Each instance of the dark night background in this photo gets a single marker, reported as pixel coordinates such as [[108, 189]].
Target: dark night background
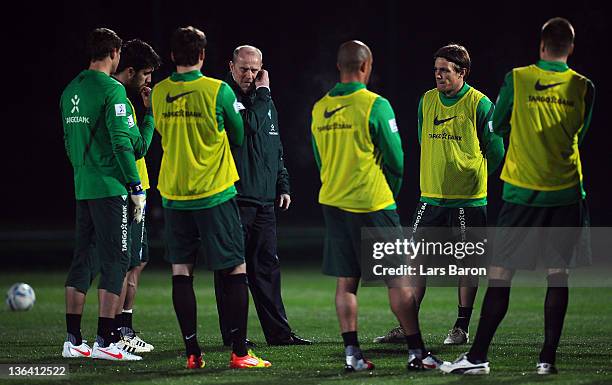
[[43, 49]]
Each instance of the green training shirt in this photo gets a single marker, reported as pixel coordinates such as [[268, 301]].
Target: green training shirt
[[229, 120], [501, 126], [385, 138], [97, 135], [491, 145]]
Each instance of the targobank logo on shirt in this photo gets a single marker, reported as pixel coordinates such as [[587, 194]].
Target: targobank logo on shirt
[[75, 100], [393, 125], [120, 109], [130, 120], [75, 104]]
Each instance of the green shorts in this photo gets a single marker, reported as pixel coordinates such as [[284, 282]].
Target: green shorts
[[342, 250], [217, 230], [529, 237], [101, 244], [139, 244]]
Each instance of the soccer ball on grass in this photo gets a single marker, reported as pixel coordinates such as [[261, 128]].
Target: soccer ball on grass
[[20, 297]]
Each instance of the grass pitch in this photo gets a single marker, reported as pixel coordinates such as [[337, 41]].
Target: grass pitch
[[36, 336]]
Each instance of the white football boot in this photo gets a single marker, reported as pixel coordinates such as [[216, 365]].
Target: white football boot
[[76, 351], [457, 336], [131, 343], [112, 352]]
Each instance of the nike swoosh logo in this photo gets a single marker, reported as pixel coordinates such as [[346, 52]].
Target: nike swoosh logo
[[541, 87], [85, 353], [190, 337], [117, 356], [170, 99], [329, 114], [438, 122]]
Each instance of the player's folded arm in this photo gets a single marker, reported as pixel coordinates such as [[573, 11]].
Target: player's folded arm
[[387, 140], [232, 121], [492, 144], [503, 107], [254, 114], [116, 121]]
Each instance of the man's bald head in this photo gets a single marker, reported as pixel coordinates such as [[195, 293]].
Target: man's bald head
[[352, 55], [247, 50]]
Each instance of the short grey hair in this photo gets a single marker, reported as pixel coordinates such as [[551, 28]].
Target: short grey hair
[[248, 48]]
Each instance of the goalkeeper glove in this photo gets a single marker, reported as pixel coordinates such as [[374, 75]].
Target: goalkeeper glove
[[139, 199]]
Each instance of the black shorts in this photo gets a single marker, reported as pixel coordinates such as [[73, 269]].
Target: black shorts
[[441, 225], [217, 230], [529, 237], [101, 244], [428, 215]]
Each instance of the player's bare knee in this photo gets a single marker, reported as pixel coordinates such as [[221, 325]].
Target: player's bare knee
[[347, 285], [239, 269], [498, 273], [557, 277], [182, 269]]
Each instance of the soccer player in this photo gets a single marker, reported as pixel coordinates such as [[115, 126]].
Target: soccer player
[[263, 180], [98, 142], [197, 118], [138, 61], [458, 152], [545, 109], [358, 150]]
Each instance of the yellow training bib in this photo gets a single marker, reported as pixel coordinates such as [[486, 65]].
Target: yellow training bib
[[547, 115], [351, 170], [197, 161], [452, 163]]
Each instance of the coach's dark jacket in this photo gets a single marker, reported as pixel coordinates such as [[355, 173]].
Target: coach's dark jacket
[[263, 176]]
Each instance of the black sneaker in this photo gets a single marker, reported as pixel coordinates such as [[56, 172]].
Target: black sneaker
[[428, 362], [293, 339], [546, 368]]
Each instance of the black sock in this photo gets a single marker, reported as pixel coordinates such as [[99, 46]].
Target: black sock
[[117, 329], [184, 301], [494, 307], [119, 320], [350, 339], [236, 295], [464, 314], [127, 319], [415, 342], [73, 328], [105, 331], [555, 307]]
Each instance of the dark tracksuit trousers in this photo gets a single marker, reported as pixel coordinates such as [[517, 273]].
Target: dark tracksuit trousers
[[263, 271]]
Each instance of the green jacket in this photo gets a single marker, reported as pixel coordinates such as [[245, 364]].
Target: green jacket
[[263, 176], [97, 135]]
